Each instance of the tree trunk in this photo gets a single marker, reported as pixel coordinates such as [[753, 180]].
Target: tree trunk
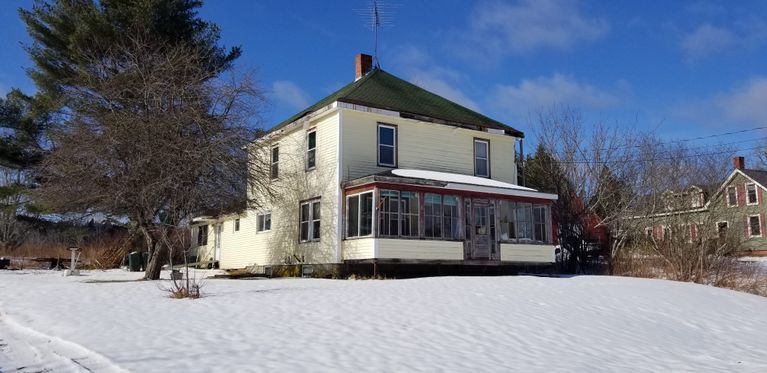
[[154, 264], [155, 251]]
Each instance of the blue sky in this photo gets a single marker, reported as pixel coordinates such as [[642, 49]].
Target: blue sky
[[685, 69]]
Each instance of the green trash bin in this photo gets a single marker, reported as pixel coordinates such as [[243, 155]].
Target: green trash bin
[[135, 261]]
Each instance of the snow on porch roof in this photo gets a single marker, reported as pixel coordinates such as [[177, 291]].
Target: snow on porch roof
[[460, 182]]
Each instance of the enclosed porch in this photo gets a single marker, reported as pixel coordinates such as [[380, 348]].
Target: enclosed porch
[[426, 216]]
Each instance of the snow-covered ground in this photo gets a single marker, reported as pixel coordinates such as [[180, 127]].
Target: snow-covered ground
[[501, 324]]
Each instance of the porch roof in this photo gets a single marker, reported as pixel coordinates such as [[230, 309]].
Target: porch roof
[[449, 181]]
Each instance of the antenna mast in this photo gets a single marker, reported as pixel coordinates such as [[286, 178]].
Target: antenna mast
[[378, 14]]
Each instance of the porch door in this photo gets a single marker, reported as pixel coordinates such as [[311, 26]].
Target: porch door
[[217, 244], [482, 229]]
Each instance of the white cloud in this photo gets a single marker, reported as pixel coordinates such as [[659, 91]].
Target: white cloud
[[498, 28], [531, 95], [708, 39], [746, 103], [290, 94]]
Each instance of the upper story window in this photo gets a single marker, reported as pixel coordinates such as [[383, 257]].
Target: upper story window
[[359, 216], [309, 229], [732, 196], [751, 196], [275, 162], [264, 222], [311, 150], [481, 158], [237, 225], [387, 145]]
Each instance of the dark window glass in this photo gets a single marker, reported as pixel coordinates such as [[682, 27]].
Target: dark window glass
[[275, 170], [311, 150], [352, 221], [387, 146], [756, 229], [366, 214]]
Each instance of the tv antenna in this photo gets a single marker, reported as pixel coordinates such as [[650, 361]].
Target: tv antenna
[[376, 15]]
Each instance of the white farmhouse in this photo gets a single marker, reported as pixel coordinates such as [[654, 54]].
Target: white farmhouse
[[385, 173]]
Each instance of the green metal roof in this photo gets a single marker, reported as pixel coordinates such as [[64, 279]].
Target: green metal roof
[[381, 90]]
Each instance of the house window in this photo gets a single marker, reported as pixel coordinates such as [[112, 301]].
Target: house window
[[450, 227], [433, 215], [666, 233], [275, 162], [311, 150], [398, 214], [309, 229], [359, 215], [387, 145], [539, 223], [648, 233], [754, 226], [237, 225], [524, 215], [508, 221], [264, 222], [481, 158], [732, 196], [751, 197], [202, 235], [721, 228]]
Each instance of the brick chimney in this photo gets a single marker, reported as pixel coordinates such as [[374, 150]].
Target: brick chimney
[[364, 63], [739, 163]]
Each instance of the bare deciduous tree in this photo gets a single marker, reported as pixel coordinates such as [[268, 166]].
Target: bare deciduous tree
[[156, 136]]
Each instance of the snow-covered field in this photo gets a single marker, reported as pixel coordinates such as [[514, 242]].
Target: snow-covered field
[[526, 324]]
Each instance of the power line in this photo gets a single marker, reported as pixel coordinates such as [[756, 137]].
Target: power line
[[654, 159]]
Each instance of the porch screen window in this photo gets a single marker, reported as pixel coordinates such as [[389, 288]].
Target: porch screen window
[[482, 158], [754, 226], [387, 145], [264, 222], [311, 150], [524, 216], [751, 198], [202, 235], [409, 214], [398, 215], [433, 215], [539, 223], [275, 162], [450, 217], [732, 197], [508, 220], [310, 221], [359, 218]]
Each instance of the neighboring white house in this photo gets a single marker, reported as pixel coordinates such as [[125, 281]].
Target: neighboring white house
[[383, 171]]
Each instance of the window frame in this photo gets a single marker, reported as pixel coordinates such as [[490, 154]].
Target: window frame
[[649, 233], [756, 194], [718, 228], [313, 151], [729, 204], [274, 166], [395, 146], [359, 215], [750, 232], [261, 218], [399, 214], [310, 234], [487, 159], [236, 225]]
